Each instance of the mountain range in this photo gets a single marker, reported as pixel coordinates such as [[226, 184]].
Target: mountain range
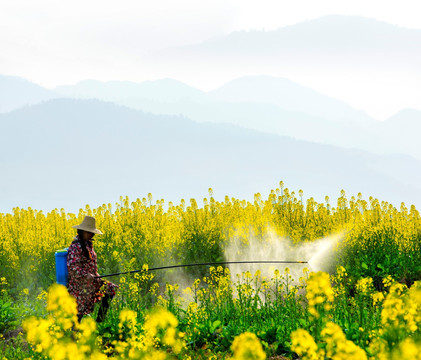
[[365, 62], [68, 153], [267, 104], [343, 36], [98, 140]]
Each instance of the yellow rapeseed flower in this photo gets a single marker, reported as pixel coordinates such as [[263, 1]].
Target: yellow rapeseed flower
[[318, 292], [338, 347], [247, 347], [365, 286], [304, 345]]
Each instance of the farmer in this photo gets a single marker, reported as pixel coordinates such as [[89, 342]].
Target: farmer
[[82, 269]]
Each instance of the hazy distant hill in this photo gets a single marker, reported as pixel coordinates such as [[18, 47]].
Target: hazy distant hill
[[57, 153], [290, 96], [363, 61], [402, 132], [263, 103], [257, 116], [404, 119], [283, 93], [17, 92], [329, 37], [167, 90], [274, 105]]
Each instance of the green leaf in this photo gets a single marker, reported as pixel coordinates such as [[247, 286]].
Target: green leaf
[[364, 265], [303, 322], [215, 325]]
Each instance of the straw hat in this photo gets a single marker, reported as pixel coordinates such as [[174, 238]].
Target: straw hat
[[88, 224]]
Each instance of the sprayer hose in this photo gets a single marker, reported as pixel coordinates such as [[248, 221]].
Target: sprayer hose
[[208, 263]]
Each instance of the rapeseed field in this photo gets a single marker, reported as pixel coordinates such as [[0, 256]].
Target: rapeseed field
[[366, 304]]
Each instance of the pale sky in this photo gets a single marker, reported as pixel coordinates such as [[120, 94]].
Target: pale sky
[[54, 42]]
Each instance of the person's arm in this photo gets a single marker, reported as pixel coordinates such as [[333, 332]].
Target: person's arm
[[95, 261], [75, 262]]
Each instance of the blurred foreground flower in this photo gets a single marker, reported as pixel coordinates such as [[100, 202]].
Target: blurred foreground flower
[[247, 347]]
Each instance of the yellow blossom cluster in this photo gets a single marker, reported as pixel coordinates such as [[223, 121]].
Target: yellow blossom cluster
[[336, 345], [3, 285], [52, 336], [247, 347], [319, 293], [402, 308], [364, 286], [61, 337], [400, 318], [305, 346]]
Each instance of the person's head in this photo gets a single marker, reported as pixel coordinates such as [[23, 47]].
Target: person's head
[[87, 229], [85, 235]]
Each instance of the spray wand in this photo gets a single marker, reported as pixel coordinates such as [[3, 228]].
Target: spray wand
[[204, 264]]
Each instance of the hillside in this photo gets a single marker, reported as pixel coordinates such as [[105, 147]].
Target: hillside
[[59, 152], [17, 92], [328, 36]]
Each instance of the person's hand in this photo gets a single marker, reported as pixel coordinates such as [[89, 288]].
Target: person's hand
[[90, 276]]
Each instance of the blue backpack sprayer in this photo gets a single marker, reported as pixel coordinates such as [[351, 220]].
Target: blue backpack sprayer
[[61, 267], [62, 274]]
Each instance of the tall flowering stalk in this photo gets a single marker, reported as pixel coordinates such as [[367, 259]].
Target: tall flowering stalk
[[319, 294]]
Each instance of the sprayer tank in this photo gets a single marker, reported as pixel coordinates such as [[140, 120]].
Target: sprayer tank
[[61, 267]]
